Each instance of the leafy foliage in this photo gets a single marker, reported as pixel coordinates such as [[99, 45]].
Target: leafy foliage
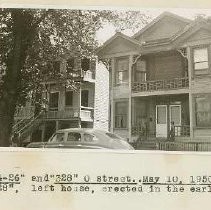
[[31, 39]]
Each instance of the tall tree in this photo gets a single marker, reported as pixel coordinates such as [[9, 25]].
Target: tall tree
[[31, 38]]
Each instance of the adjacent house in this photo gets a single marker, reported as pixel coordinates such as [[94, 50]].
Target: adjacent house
[[160, 80], [66, 106]]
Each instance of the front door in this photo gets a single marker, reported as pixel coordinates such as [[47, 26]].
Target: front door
[[175, 118], [161, 121]]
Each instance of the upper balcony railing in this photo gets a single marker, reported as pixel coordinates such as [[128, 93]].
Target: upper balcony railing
[[157, 85], [68, 112], [86, 114]]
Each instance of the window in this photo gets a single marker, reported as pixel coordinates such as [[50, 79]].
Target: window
[[56, 67], [70, 65], [90, 138], [85, 98], [121, 110], [54, 100], [203, 111], [122, 67], [74, 136], [58, 137], [140, 71], [69, 98], [85, 64], [200, 60]]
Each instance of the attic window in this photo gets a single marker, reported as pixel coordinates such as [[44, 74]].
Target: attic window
[[200, 56]]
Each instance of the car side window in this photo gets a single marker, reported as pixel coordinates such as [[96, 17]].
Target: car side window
[[90, 138], [58, 137], [74, 136]]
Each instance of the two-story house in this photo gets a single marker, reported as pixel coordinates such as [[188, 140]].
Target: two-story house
[[67, 105], [160, 80]]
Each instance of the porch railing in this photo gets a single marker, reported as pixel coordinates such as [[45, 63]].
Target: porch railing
[[182, 130], [62, 114], [156, 85], [184, 146]]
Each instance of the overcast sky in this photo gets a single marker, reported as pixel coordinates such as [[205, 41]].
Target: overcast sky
[[108, 30]]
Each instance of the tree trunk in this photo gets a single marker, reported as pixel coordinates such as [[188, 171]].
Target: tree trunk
[[15, 62]]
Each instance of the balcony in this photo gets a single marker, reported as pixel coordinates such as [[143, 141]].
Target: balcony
[[157, 85], [86, 114], [63, 114]]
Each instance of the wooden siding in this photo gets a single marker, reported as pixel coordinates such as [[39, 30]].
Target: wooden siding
[[121, 91], [165, 28], [201, 84], [119, 45], [202, 134]]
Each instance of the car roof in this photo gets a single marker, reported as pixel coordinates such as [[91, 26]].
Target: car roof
[[81, 130]]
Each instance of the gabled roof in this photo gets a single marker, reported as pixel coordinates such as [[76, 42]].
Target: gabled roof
[[157, 19], [118, 34]]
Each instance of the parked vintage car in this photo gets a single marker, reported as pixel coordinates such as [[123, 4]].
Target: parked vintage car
[[81, 138]]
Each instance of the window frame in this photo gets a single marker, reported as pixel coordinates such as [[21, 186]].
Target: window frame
[[84, 64], [67, 105], [87, 98], [117, 71], [140, 71], [201, 71], [121, 115], [70, 70], [207, 97], [54, 108]]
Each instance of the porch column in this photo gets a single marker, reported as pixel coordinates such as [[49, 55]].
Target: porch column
[[111, 95], [190, 91], [130, 97], [57, 125]]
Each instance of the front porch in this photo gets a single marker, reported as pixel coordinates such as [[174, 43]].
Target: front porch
[[160, 118]]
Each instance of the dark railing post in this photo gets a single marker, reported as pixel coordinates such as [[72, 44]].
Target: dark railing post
[[197, 146]]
